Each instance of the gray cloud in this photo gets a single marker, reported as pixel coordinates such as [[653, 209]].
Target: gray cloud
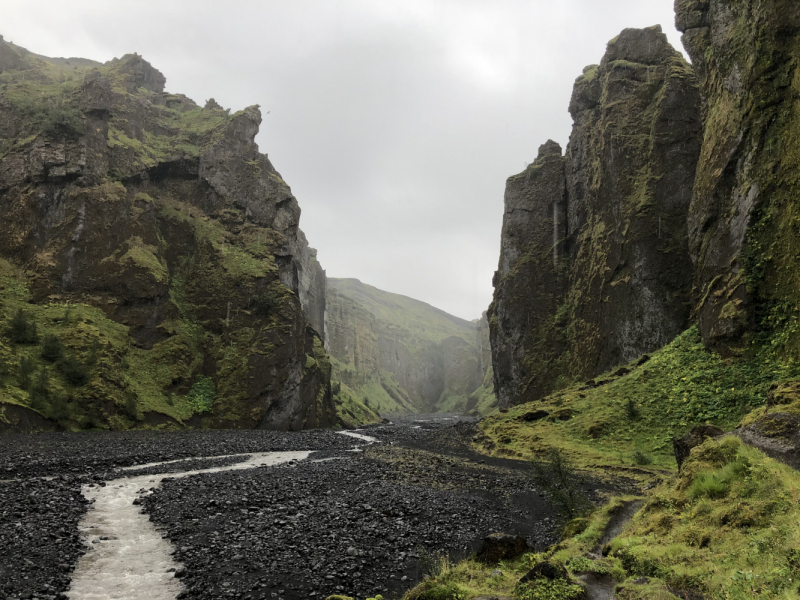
[[395, 121]]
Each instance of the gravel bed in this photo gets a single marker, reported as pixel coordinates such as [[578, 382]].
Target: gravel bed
[[314, 529], [32, 455], [341, 521], [39, 539]]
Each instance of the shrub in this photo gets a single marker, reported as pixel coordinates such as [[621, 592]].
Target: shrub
[[265, 303], [558, 479], [75, 372], [631, 410], [26, 368], [59, 411], [642, 459], [202, 394], [22, 330], [52, 348], [431, 590], [52, 116], [94, 351], [132, 407]]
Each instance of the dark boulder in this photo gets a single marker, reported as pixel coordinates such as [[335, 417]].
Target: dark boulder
[[501, 546], [694, 438], [536, 415], [545, 570]]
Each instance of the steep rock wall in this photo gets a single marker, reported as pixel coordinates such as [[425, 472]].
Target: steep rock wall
[[744, 214], [594, 245], [399, 353], [118, 196]]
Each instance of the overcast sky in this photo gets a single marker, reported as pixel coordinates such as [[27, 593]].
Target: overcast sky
[[396, 122]]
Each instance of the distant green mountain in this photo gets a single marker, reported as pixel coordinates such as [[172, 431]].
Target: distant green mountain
[[399, 355]]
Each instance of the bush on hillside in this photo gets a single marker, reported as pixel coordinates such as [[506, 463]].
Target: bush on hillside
[[52, 348], [25, 372], [557, 478], [21, 330], [75, 372]]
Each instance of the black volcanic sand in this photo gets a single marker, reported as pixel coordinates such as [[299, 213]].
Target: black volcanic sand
[[354, 522]]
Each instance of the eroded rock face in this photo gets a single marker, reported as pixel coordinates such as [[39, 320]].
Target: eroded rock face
[[418, 358], [167, 217], [741, 232], [594, 253]]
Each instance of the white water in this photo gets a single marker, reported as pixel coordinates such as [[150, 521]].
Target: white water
[[134, 562], [359, 436]]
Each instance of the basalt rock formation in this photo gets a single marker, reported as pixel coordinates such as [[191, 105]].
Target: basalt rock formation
[[594, 252], [401, 355], [156, 253], [744, 213]]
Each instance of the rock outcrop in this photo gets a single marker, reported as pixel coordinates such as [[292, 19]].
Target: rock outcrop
[[594, 245], [400, 354], [744, 212], [178, 242]]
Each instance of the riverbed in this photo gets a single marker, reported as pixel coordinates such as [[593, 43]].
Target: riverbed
[[252, 514]]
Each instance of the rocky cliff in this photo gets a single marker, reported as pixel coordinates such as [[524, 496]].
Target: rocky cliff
[[400, 354], [594, 245], [744, 214], [153, 254]]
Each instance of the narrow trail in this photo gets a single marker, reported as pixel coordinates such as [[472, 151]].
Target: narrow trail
[[128, 559]]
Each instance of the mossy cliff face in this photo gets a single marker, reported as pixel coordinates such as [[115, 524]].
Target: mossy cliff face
[[164, 218], [531, 282], [593, 267], [399, 354], [744, 214]]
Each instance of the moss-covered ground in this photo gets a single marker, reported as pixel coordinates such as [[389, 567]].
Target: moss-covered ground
[[726, 527], [95, 372], [624, 421]]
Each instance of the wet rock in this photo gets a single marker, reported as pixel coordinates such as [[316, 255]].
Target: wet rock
[[501, 546], [545, 570]]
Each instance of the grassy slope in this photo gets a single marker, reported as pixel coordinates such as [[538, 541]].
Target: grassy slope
[[417, 324], [682, 385], [413, 318], [117, 373], [728, 526]]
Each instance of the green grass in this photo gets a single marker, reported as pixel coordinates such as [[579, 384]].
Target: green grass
[[414, 319], [728, 526], [682, 385], [116, 370]]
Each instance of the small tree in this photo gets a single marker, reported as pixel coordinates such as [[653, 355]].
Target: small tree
[[131, 406], [631, 410], [52, 348], [94, 352], [76, 373], [25, 373], [560, 481], [59, 410], [21, 330]]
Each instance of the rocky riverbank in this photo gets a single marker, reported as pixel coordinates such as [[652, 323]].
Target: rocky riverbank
[[354, 517]]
